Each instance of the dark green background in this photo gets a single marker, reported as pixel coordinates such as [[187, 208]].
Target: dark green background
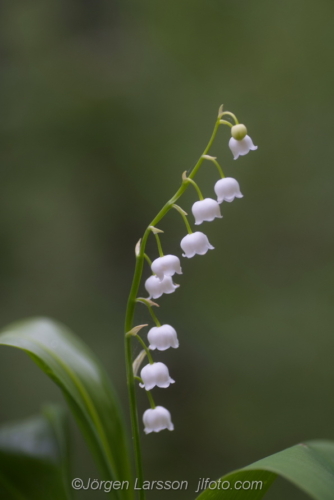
[[103, 105]]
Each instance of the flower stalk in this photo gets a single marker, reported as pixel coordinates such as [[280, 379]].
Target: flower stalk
[[158, 418], [184, 217]]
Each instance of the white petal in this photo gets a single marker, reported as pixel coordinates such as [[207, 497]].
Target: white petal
[[234, 147], [205, 210], [249, 143], [157, 419], [227, 189], [162, 337], [154, 287], [155, 374], [241, 148], [195, 243], [168, 286], [167, 265]]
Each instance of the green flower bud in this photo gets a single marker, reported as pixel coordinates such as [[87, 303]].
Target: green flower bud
[[239, 132]]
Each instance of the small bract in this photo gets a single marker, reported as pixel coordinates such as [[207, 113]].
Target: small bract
[[195, 243], [242, 147], [162, 337], [155, 374], [157, 419], [227, 189], [156, 287], [206, 210], [167, 265]]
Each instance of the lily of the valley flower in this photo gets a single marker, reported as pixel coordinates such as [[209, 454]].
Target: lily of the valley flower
[[227, 189], [157, 419], [155, 374], [167, 265], [162, 337], [240, 143], [195, 243], [205, 210], [156, 287], [241, 148]]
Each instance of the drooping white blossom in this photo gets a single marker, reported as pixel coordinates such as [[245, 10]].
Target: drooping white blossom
[[162, 337], [157, 419], [241, 147], [167, 265], [156, 287], [195, 243], [155, 374], [205, 210], [227, 189]]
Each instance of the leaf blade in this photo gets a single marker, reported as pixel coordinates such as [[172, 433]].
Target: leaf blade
[[71, 365], [33, 458], [309, 466]]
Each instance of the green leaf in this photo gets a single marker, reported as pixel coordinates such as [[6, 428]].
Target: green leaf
[[34, 458], [308, 466], [85, 385]]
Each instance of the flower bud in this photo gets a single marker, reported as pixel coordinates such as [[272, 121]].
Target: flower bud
[[155, 374], [239, 131], [205, 210], [195, 243], [156, 287], [167, 265], [157, 419], [227, 189], [162, 337], [241, 147]]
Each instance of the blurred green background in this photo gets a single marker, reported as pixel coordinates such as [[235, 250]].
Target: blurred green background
[[103, 105]]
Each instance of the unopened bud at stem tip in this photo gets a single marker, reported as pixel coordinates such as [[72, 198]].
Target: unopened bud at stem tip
[[239, 132]]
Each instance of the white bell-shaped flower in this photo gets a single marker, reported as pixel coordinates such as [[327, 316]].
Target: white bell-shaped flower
[[167, 265], [195, 243], [155, 374], [227, 189], [156, 287], [162, 337], [241, 147], [157, 419], [207, 209]]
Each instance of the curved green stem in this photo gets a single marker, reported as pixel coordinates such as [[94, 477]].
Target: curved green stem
[[145, 348], [148, 260], [199, 192], [184, 217], [225, 122], [131, 304], [214, 160], [149, 395], [220, 170], [148, 303], [161, 254], [154, 317], [230, 114], [151, 400]]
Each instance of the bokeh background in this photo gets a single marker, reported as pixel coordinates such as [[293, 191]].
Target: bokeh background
[[103, 105]]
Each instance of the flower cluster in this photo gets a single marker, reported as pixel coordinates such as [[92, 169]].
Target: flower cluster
[[162, 337]]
